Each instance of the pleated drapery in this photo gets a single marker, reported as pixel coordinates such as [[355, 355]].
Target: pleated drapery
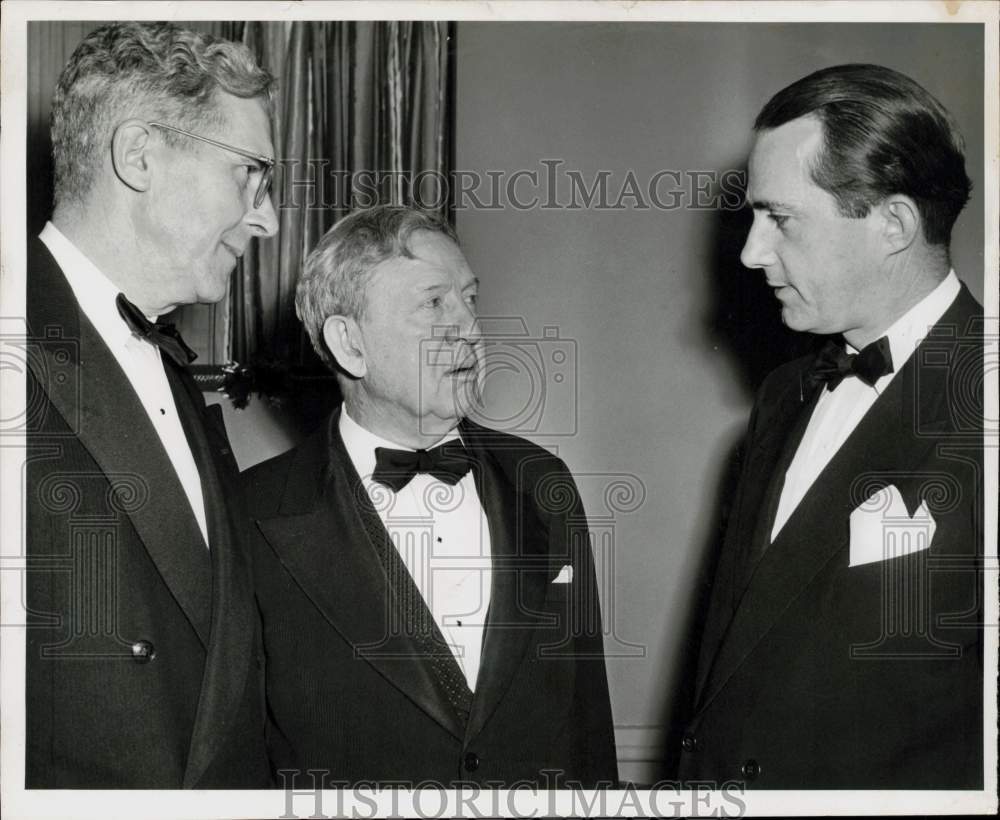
[[361, 108], [362, 113]]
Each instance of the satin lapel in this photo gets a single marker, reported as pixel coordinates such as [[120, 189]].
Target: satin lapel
[[233, 614], [780, 428], [797, 420], [521, 572], [99, 402], [889, 444], [321, 540]]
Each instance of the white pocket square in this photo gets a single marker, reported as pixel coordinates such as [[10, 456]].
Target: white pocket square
[[881, 528], [565, 575]]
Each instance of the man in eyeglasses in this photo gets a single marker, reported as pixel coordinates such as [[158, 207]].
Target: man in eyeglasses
[[142, 646]]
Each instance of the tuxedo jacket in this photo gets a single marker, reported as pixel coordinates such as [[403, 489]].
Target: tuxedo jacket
[[144, 667], [817, 674], [357, 699]]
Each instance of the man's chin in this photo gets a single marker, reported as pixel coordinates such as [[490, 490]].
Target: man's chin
[[445, 417], [214, 290], [794, 320]]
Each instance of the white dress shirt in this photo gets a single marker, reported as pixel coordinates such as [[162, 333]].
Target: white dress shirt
[[443, 538], [139, 359], [838, 412]]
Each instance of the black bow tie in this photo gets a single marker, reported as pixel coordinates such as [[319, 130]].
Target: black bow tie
[[447, 462], [834, 364], [162, 334]]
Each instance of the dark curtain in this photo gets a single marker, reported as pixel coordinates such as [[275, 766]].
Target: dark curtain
[[363, 109]]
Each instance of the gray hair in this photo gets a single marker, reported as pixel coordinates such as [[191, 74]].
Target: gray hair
[[146, 70], [337, 272]]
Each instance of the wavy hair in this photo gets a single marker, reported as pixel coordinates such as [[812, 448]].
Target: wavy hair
[[146, 70]]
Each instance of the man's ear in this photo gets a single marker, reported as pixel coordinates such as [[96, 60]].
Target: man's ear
[[343, 339], [901, 222], [130, 154]]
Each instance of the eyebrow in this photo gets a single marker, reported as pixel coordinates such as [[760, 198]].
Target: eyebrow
[[770, 205], [473, 283]]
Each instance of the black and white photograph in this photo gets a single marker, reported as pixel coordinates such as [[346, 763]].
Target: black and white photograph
[[499, 409]]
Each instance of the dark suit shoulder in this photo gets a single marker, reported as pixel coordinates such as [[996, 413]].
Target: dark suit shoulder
[[962, 321], [523, 462], [785, 376], [265, 473], [265, 483]]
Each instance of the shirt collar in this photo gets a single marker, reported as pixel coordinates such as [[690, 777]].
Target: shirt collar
[[94, 292], [910, 329], [361, 443]]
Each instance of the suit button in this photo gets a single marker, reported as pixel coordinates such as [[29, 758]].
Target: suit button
[[143, 651], [689, 743], [471, 762], [750, 769]]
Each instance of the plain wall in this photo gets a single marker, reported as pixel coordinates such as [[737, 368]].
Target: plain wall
[[671, 334]]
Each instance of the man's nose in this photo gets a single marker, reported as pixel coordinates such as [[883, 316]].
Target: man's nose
[[464, 323], [757, 250], [263, 221]]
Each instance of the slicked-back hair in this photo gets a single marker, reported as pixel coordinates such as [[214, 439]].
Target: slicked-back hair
[[337, 271], [883, 134], [152, 71]]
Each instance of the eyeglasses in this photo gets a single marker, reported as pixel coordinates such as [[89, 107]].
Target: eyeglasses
[[267, 163]]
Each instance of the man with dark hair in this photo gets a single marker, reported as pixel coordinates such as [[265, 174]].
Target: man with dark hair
[[843, 647], [426, 586], [143, 658]]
